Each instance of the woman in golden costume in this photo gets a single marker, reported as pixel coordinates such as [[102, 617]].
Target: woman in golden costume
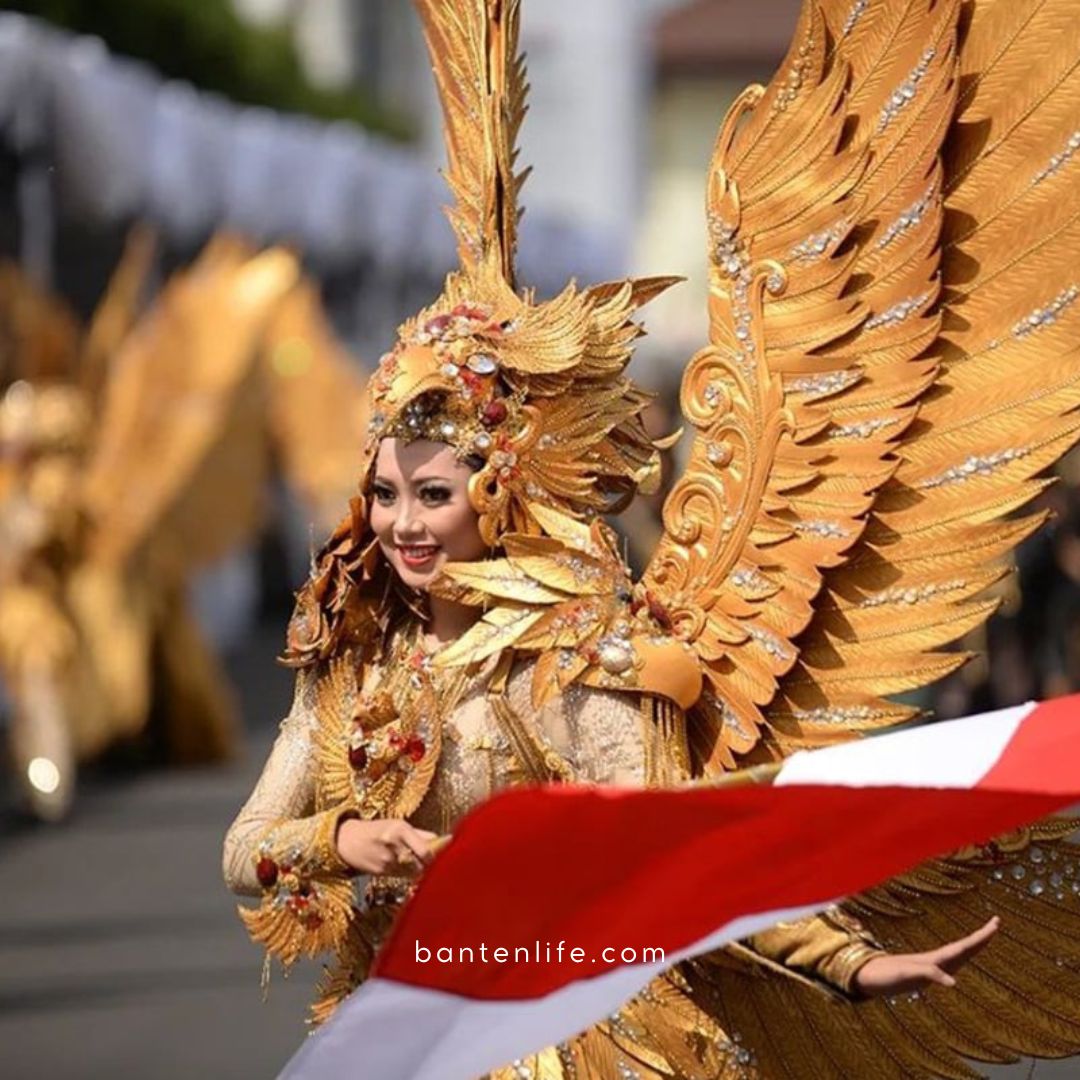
[[120, 452], [890, 256]]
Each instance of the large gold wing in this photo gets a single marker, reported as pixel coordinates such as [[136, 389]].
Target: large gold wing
[[1017, 997], [316, 408], [181, 453], [892, 360]]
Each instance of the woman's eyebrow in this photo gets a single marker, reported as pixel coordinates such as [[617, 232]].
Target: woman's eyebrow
[[382, 480], [429, 479]]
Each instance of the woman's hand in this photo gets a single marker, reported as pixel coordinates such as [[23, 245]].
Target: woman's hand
[[902, 972], [384, 847]]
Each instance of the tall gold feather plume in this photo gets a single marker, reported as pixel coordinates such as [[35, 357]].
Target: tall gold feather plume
[[481, 80]]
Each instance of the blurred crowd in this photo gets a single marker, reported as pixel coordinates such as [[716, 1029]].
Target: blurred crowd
[[1031, 648]]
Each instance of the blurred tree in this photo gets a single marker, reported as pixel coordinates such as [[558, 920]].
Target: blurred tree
[[209, 45]]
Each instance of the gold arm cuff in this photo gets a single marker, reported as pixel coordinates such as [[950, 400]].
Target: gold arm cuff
[[307, 900], [325, 857], [290, 924], [842, 968]]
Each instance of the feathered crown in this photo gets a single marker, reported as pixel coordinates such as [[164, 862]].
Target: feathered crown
[[535, 390]]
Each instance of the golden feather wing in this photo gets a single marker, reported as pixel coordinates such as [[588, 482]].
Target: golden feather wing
[[39, 333], [1017, 997], [316, 406], [181, 454], [890, 361], [117, 311]]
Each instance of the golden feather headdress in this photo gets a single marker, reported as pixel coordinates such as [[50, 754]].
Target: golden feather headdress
[[534, 390]]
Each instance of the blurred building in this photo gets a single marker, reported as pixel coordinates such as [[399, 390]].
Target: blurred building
[[590, 67]]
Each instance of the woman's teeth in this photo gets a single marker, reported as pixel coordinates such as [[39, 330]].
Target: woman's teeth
[[419, 553]]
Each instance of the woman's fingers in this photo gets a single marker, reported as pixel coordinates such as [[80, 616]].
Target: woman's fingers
[[416, 842], [408, 848], [418, 847], [916, 971], [384, 847], [935, 974], [953, 956]]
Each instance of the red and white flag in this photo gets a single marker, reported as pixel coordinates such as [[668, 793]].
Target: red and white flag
[[534, 922]]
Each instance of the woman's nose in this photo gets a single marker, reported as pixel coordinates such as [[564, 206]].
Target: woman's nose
[[408, 520]]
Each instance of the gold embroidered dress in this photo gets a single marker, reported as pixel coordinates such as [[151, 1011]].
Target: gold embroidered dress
[[583, 735]]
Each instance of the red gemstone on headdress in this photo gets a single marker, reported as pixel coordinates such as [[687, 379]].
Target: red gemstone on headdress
[[469, 311], [415, 748], [266, 870], [495, 412], [396, 741], [438, 325], [358, 757]]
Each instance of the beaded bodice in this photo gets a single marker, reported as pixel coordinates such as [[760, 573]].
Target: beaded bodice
[[598, 736]]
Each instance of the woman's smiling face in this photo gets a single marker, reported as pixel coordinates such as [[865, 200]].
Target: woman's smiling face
[[420, 509]]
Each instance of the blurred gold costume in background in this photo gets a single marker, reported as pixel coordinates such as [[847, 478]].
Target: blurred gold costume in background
[[131, 455], [893, 233]]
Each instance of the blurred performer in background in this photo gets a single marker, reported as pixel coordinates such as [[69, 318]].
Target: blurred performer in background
[[131, 456], [893, 235]]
